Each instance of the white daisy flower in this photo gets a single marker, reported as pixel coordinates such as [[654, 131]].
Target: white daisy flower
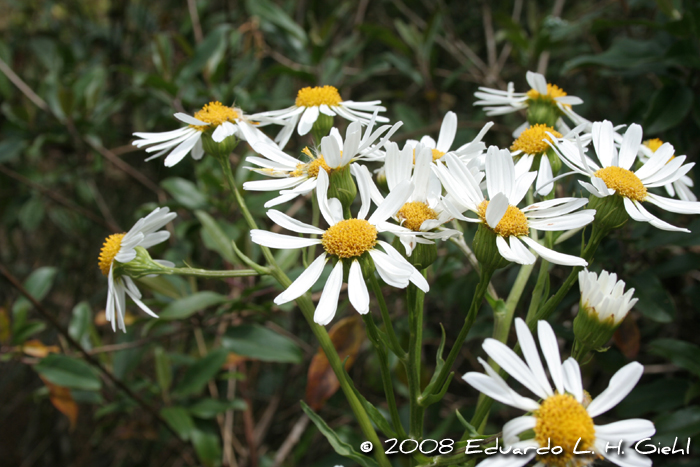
[[605, 296], [344, 242], [504, 102], [506, 186], [295, 177], [563, 416], [121, 248], [314, 102], [616, 178], [227, 121], [424, 212], [683, 186], [532, 142]]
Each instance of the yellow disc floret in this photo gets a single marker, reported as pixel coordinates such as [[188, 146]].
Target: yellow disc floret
[[436, 155], [109, 250], [623, 181], [534, 139], [310, 97], [214, 113], [553, 91], [563, 421], [312, 168], [513, 223], [413, 214], [349, 238]]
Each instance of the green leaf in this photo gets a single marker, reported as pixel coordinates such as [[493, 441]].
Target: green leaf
[[654, 301], [31, 214], [341, 447], [69, 372], [271, 13], [186, 307], [218, 240], [669, 106], [185, 192], [638, 56], [683, 354], [260, 343], [22, 332], [80, 323], [210, 408], [200, 372], [179, 420], [684, 423], [660, 396], [208, 447], [164, 372], [38, 285], [208, 53]]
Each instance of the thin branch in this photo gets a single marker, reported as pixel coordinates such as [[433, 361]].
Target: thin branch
[[196, 26], [544, 58], [291, 440]]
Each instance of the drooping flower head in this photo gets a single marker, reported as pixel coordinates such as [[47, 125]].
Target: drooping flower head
[[119, 249], [561, 415], [345, 242]]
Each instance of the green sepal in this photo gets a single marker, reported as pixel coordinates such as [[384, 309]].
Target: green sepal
[[322, 127], [422, 256], [342, 186], [610, 212], [485, 249], [544, 111], [222, 149], [142, 265]]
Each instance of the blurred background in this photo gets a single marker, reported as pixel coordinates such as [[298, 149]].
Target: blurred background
[[224, 371]]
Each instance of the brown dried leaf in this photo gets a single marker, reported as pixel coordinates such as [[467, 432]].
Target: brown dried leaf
[[5, 332], [347, 336], [62, 399], [36, 348], [627, 337], [232, 361]]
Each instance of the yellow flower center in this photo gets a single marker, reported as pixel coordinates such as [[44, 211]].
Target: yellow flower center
[[623, 181], [310, 97], [214, 113], [534, 139], [312, 168], [349, 238], [562, 421], [553, 91], [436, 155], [109, 250], [513, 223], [413, 214]]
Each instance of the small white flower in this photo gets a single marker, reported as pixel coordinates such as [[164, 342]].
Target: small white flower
[[605, 296], [616, 178], [562, 417], [122, 249], [503, 102], [345, 241], [683, 186], [506, 186], [312, 102], [227, 121], [295, 177]]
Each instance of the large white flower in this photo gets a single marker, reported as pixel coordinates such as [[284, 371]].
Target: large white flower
[[120, 249], [506, 186], [605, 296], [345, 241], [503, 102], [616, 178], [227, 121], [563, 416], [681, 187], [295, 177], [314, 102]]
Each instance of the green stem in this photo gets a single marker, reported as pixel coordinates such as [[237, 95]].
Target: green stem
[[373, 333], [394, 343], [415, 299], [479, 293], [211, 274], [307, 309]]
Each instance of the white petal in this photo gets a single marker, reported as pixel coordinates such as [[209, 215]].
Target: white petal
[[630, 458], [448, 130], [630, 145], [357, 289], [392, 273], [510, 362], [506, 252], [553, 256], [189, 119], [181, 150], [514, 427], [496, 391], [304, 282], [536, 82], [565, 222], [416, 277], [500, 172], [273, 185], [283, 242], [544, 177], [292, 224], [520, 251], [498, 205], [622, 382], [572, 378], [674, 205], [392, 203], [325, 310], [604, 143], [307, 120], [532, 357], [223, 131], [327, 211], [550, 350], [629, 430]]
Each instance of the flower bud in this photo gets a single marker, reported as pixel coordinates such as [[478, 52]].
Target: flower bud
[[610, 212], [222, 149], [485, 249]]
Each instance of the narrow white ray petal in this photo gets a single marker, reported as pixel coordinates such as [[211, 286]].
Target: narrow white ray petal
[[304, 282], [283, 198], [223, 131], [152, 138], [328, 304], [520, 251], [554, 207], [554, 256], [496, 391], [544, 177], [416, 277], [550, 350], [357, 289], [506, 252], [307, 120], [572, 378], [181, 150], [324, 109], [674, 205], [510, 362], [422, 174], [292, 224], [274, 153], [392, 203], [657, 160], [280, 241], [603, 143], [630, 145], [655, 221], [448, 130], [622, 382], [392, 273], [514, 427], [273, 185], [154, 238], [190, 120], [500, 172], [537, 82], [331, 151], [632, 429], [498, 205], [565, 222], [322, 196], [522, 185], [630, 458], [569, 100], [532, 357], [139, 303]]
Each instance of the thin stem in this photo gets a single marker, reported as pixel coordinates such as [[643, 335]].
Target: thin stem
[[373, 333], [386, 319], [415, 298], [212, 274]]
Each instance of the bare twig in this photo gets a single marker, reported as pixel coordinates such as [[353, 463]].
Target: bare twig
[[292, 439], [490, 37], [544, 58], [196, 26], [26, 90]]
